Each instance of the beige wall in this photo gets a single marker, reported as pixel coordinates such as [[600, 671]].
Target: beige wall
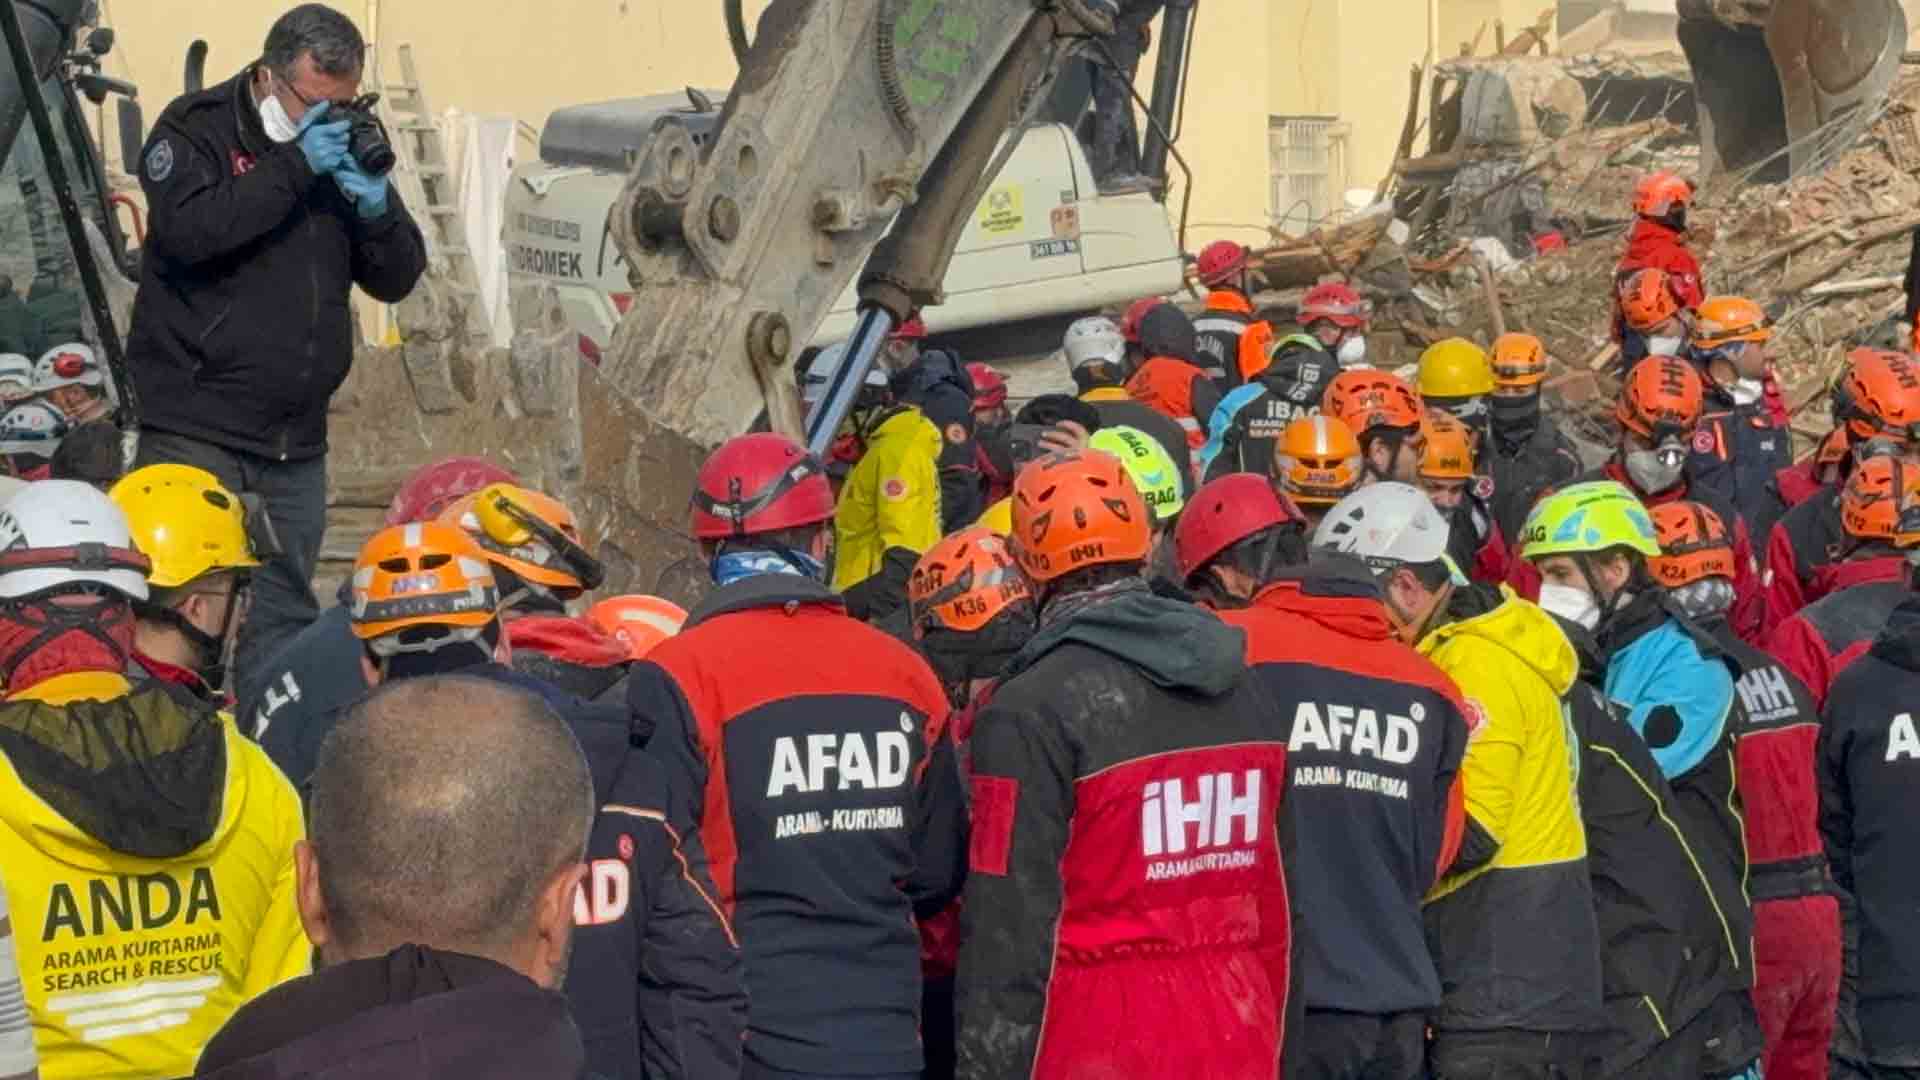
[[1252, 59]]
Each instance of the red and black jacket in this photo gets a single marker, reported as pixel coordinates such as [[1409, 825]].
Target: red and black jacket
[[1821, 640], [1776, 735], [1127, 909], [1376, 819], [572, 654], [1809, 555], [812, 751], [1870, 768]]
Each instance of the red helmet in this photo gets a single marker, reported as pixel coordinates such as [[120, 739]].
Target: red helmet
[[1223, 513], [1220, 261], [1137, 311], [758, 484], [1335, 302], [914, 329], [433, 488], [989, 388]]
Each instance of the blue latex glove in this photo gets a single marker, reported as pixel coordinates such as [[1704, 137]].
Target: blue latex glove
[[325, 145], [369, 193]]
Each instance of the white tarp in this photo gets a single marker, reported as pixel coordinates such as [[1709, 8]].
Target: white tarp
[[481, 150]]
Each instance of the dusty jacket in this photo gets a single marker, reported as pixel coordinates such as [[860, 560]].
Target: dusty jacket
[[148, 849], [813, 753], [1373, 755], [413, 1014], [891, 498], [242, 327], [1514, 937], [1127, 902]]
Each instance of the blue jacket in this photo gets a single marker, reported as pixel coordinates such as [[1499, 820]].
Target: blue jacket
[[1675, 697], [1222, 419]]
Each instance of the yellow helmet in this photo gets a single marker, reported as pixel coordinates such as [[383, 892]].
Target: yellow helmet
[[1455, 368], [999, 517], [182, 519]]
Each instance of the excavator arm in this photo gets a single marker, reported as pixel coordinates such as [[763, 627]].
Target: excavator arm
[[856, 128], [1786, 85]]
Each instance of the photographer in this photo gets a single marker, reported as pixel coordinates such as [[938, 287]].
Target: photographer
[[268, 203]]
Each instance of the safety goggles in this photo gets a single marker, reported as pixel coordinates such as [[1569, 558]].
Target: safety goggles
[[514, 527]]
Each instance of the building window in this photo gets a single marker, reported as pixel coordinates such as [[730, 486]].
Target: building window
[[1303, 154]]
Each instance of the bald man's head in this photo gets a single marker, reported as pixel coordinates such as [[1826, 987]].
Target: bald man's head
[[443, 809]]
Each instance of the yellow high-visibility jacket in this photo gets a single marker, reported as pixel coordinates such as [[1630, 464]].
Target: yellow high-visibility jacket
[[891, 497], [131, 962]]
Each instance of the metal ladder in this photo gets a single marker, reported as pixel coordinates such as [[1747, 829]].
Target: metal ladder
[[425, 181]]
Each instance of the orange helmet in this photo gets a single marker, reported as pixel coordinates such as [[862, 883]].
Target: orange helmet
[[419, 587], [1318, 461], [1723, 320], [964, 582], [638, 622], [1366, 398], [1694, 544], [1876, 489], [527, 533], [1663, 396], [1659, 193], [1449, 450], [1076, 510], [1646, 301], [1882, 390], [1906, 532], [1519, 360]]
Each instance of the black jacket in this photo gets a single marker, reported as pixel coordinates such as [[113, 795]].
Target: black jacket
[[413, 1014], [242, 327], [316, 673], [1736, 452], [1526, 465], [1657, 909], [813, 753], [1870, 772], [1127, 911]]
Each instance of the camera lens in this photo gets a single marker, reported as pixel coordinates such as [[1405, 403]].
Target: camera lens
[[370, 148]]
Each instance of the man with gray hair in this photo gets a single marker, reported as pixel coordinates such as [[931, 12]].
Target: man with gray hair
[[268, 202], [448, 822]]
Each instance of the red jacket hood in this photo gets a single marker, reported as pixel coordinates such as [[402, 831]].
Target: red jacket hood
[[574, 641], [1651, 238]]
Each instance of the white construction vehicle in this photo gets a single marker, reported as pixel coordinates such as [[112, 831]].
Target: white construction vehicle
[[1042, 248]]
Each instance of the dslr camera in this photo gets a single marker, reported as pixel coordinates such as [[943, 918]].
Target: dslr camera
[[367, 137]]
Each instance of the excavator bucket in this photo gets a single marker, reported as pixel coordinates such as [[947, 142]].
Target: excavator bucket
[[1784, 85]]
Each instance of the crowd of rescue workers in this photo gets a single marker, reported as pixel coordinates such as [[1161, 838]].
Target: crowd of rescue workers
[[1252, 711]]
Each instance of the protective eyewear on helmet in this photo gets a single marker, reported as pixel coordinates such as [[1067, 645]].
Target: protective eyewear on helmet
[[511, 525]]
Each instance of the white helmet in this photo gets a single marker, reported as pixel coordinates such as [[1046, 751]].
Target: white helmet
[[1094, 340], [64, 532], [72, 364], [820, 372], [32, 427], [16, 375], [1388, 525]]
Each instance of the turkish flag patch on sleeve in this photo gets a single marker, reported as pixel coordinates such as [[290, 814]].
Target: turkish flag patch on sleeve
[[994, 799]]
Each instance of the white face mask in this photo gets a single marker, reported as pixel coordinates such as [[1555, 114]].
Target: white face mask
[[1747, 391], [1352, 351], [1571, 604], [1651, 472], [1664, 346], [273, 116]]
